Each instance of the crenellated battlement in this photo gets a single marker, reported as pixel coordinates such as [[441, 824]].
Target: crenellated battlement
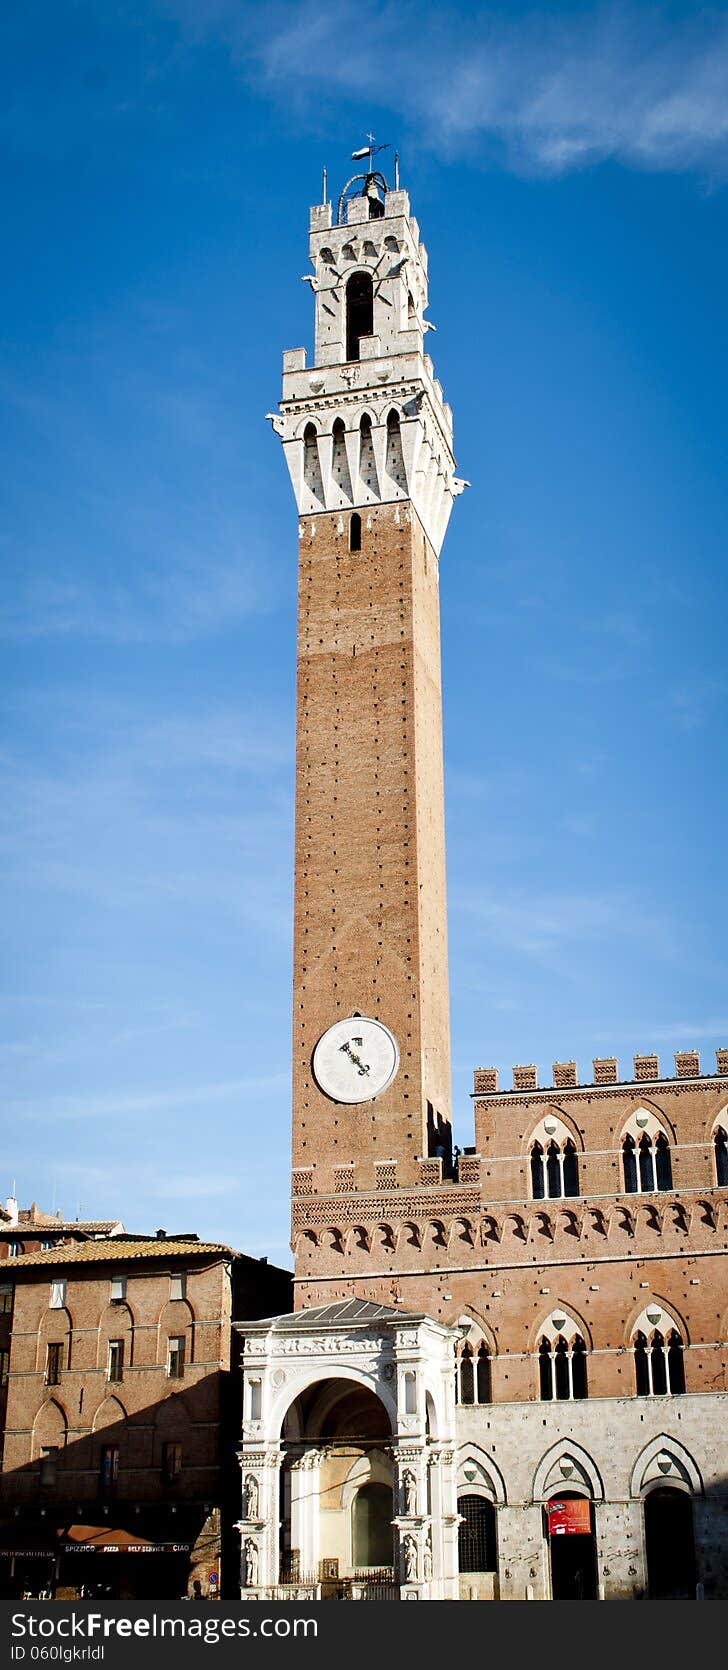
[[646, 1070]]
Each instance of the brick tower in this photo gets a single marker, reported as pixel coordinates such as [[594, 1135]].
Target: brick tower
[[368, 443]]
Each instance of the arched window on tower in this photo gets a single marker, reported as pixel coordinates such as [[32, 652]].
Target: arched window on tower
[[721, 1157], [659, 1359], [554, 1162], [312, 464], [646, 1161], [355, 531], [562, 1364], [339, 462], [359, 312]]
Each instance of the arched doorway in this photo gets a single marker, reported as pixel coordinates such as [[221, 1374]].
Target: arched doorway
[[572, 1546], [670, 1544], [372, 1536], [337, 1503]]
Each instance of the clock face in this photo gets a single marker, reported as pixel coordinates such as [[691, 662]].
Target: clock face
[[355, 1060]]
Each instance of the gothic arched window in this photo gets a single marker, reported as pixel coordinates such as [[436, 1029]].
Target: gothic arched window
[[467, 1378], [647, 1164], [482, 1376], [721, 1158], [562, 1368], [537, 1175], [554, 1163], [472, 1371], [359, 312], [659, 1361]]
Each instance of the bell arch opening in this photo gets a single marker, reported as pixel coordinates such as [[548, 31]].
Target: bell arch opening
[[359, 312]]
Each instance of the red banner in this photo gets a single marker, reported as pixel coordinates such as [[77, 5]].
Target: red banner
[[569, 1518]]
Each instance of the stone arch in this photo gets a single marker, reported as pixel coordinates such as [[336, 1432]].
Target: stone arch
[[515, 1224], [110, 1412], [371, 1469], [172, 1424], [332, 1238], [286, 1396], [177, 1317], [358, 1239], [55, 1326], [409, 1234], [478, 1329], [639, 1317], [657, 1123], [437, 1233], [567, 1466], [478, 1475], [572, 1323], [716, 1119], [461, 1229], [543, 1130], [386, 1236], [665, 1461], [115, 1322], [50, 1427]]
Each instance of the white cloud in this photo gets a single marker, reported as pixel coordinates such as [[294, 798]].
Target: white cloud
[[551, 89]]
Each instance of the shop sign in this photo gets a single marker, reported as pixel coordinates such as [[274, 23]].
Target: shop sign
[[569, 1518]]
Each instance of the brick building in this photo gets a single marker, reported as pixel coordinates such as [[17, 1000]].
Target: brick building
[[118, 1413], [505, 1372], [28, 1229]]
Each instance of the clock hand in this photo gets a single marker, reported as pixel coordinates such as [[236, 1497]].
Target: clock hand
[[357, 1060]]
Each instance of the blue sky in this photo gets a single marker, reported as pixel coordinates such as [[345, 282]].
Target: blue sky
[[569, 169]]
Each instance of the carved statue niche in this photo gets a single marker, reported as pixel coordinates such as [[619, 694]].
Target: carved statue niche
[[410, 1492], [427, 1557], [409, 1554], [252, 1497], [250, 1551]]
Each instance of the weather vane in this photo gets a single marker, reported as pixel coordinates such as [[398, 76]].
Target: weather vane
[[371, 150]]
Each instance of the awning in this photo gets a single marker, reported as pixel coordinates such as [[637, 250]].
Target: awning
[[105, 1539]]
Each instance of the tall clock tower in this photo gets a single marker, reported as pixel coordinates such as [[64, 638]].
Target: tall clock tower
[[367, 438]]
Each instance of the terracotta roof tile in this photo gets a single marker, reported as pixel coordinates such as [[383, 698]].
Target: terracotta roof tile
[[117, 1250]]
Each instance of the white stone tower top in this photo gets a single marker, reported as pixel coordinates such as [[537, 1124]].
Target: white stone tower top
[[367, 423]]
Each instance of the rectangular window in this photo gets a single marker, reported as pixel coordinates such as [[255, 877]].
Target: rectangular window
[[177, 1287], [109, 1467], [4, 1366], [58, 1295], [15, 1249], [48, 1457], [176, 1357], [45, 1246], [118, 1289], [171, 1462], [54, 1363], [6, 1300], [116, 1359], [255, 1400]]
